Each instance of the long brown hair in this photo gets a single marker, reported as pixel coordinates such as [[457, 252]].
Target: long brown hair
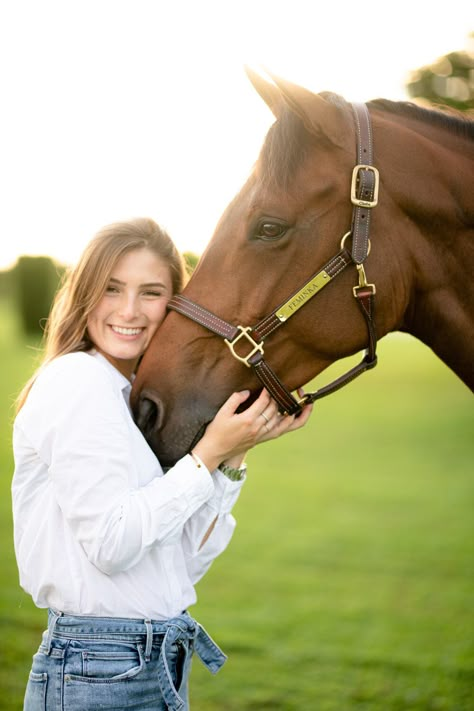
[[85, 284]]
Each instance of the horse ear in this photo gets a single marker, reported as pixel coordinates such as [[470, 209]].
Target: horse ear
[[269, 92], [318, 115]]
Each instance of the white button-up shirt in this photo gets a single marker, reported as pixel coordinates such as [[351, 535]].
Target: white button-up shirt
[[98, 528]]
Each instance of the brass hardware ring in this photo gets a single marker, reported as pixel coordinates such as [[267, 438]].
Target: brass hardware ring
[[349, 234]]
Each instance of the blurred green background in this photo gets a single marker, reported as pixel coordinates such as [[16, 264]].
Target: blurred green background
[[349, 582]]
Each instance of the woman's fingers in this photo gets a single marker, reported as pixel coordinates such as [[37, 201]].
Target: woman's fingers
[[262, 416], [302, 419], [233, 402], [260, 404], [276, 424]]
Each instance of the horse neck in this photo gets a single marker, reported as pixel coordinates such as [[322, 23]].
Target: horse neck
[[439, 243]]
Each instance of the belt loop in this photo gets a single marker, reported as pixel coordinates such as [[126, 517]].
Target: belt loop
[[149, 640], [173, 700], [54, 616]]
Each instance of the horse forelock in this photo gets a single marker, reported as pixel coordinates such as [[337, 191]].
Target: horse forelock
[[454, 121], [284, 149], [287, 144]]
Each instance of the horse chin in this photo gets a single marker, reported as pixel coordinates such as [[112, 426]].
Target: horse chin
[[199, 435], [173, 432], [177, 436], [168, 458], [170, 450]]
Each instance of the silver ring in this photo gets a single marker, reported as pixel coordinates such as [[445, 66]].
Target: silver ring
[[265, 418]]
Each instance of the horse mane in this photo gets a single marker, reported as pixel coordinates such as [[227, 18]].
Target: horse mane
[[454, 121], [288, 141]]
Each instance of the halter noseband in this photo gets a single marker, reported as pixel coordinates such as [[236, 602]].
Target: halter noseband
[[364, 196]]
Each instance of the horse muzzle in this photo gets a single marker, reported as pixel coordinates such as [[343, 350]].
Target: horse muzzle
[[170, 435]]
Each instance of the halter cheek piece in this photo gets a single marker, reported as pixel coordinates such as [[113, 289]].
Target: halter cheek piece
[[364, 196]]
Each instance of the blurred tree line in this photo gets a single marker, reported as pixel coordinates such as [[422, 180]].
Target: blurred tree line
[[31, 285], [33, 281], [449, 81]]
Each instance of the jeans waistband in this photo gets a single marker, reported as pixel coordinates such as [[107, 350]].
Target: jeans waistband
[[180, 628]]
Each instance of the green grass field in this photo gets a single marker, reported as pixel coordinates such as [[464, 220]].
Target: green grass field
[[349, 582]]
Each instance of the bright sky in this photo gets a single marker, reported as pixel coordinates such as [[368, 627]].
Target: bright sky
[[118, 108]]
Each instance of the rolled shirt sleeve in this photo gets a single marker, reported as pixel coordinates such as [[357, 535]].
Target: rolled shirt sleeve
[[215, 512]]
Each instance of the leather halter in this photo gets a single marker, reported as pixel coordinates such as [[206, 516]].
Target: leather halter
[[364, 196]]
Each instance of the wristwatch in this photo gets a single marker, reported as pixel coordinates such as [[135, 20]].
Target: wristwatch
[[233, 473]]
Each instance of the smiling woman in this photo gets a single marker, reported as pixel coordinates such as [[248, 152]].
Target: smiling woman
[[133, 306], [136, 252], [102, 538]]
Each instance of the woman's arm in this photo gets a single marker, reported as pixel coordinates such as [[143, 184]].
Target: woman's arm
[[209, 531], [78, 426], [75, 420]]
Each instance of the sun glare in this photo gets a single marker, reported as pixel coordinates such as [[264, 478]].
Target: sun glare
[[121, 109]]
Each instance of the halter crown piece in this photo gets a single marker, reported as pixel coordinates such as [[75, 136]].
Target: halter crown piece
[[364, 196]]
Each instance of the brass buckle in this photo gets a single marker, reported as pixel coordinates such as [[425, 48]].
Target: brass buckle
[[244, 333], [362, 281], [301, 401], [354, 199]]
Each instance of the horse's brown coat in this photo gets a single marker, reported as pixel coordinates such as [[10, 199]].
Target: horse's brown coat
[[422, 257]]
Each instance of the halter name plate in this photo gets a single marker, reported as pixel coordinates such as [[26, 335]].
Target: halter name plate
[[301, 297]]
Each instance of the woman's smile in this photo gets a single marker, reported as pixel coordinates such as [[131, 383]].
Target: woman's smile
[[124, 321], [127, 331]]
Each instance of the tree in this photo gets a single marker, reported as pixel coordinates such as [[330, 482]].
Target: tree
[[36, 279], [191, 261], [449, 81]]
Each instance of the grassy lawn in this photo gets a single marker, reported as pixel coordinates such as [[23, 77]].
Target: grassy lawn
[[349, 582]]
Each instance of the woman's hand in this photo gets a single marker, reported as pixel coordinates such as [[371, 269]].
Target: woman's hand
[[281, 424], [230, 435]]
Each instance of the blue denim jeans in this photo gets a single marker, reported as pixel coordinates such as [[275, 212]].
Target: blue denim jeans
[[107, 663]]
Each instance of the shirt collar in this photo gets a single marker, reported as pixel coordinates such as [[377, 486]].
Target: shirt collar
[[122, 382]]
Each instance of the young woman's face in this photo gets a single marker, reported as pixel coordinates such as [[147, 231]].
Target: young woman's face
[[134, 304]]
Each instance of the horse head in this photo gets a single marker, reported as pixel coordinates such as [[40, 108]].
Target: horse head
[[286, 224]]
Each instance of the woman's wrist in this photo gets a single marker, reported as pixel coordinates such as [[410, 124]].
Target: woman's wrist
[[236, 461], [232, 467], [200, 455], [197, 460], [205, 455]]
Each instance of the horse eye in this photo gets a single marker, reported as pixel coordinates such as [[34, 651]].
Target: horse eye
[[271, 230]]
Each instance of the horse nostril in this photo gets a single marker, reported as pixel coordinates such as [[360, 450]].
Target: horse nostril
[[147, 415]]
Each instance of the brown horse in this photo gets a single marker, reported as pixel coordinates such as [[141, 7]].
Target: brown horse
[[305, 220]]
